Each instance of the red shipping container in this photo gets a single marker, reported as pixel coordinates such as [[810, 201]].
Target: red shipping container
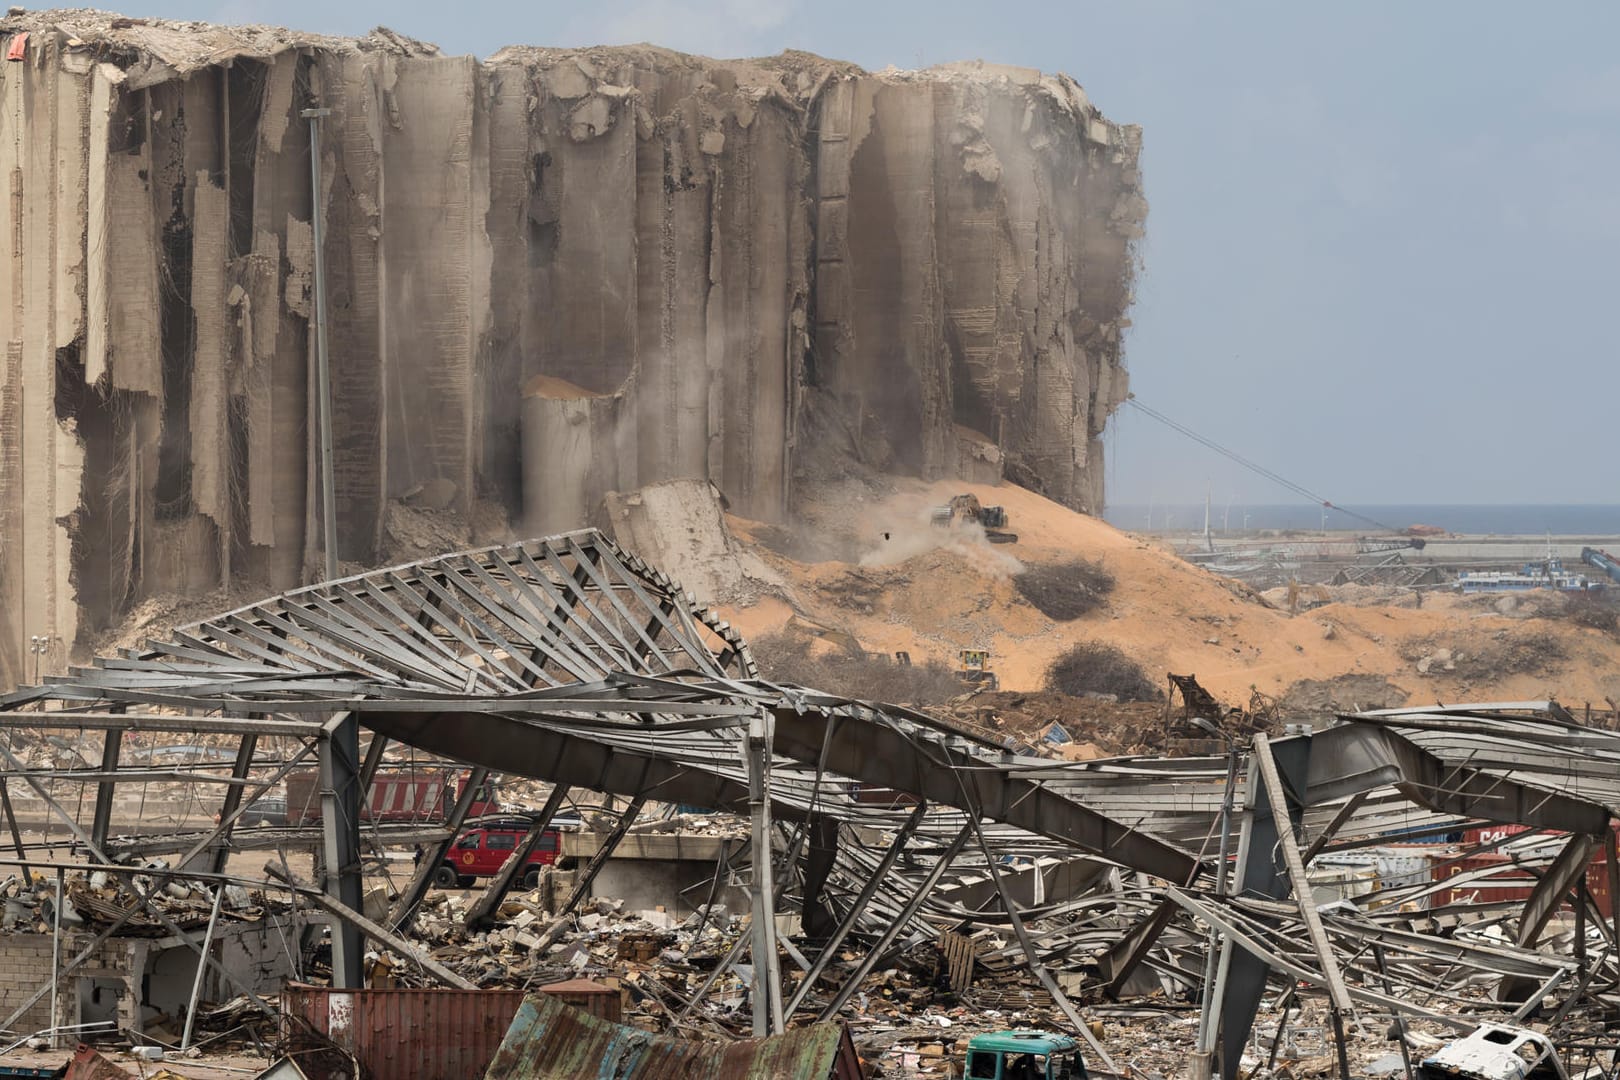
[[396, 797], [1513, 884], [1490, 834]]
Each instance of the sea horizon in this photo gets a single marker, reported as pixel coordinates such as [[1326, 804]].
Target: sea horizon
[[1505, 519]]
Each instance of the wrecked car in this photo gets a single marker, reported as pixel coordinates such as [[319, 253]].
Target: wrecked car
[[1495, 1052]]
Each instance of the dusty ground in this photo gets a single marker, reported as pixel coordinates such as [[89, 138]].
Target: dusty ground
[[932, 592]]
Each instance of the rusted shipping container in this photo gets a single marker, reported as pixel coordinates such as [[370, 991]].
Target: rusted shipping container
[[551, 1041], [419, 796], [400, 797], [409, 1034]]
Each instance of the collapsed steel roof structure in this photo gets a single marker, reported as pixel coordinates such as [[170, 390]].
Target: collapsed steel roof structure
[[569, 660]]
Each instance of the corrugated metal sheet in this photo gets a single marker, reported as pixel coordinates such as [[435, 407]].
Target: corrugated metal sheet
[[551, 1041], [410, 1034]]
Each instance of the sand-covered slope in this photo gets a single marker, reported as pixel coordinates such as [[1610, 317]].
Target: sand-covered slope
[[931, 592]]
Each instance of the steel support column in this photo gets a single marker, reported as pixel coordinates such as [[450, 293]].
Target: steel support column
[[1566, 871], [856, 908], [767, 992], [1240, 977], [101, 823], [233, 799], [1281, 814], [374, 759], [482, 914], [604, 852], [1115, 964], [340, 830], [1553, 889], [403, 912], [852, 982]]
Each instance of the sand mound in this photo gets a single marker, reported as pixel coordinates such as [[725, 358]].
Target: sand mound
[[905, 585]]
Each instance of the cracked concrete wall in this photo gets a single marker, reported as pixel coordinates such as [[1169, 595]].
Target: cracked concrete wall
[[552, 274]]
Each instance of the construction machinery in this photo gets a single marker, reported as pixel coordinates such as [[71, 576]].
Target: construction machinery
[[966, 509], [973, 668], [1603, 561]]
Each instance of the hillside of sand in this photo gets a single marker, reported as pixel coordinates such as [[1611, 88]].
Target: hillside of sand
[[866, 562]]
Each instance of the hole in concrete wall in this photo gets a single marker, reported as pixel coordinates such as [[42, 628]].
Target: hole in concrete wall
[[246, 86], [100, 532], [172, 494], [236, 438], [71, 391], [98, 999], [969, 407], [503, 463], [89, 538], [543, 213], [126, 127], [882, 378], [543, 240], [812, 186]]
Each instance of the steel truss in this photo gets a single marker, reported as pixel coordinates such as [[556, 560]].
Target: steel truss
[[569, 660]]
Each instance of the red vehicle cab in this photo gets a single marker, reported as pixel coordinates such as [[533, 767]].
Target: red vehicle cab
[[483, 848]]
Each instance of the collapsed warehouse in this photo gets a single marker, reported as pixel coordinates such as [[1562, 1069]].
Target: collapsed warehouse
[[627, 263], [873, 830], [558, 275]]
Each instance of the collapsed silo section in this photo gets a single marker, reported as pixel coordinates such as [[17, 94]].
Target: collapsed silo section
[[573, 442]]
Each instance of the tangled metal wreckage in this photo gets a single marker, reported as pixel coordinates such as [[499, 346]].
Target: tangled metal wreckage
[[570, 661]]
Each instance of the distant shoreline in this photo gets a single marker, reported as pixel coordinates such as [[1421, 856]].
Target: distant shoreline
[[1510, 521]]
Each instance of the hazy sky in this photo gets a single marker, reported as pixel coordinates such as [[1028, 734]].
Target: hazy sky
[[1382, 252]]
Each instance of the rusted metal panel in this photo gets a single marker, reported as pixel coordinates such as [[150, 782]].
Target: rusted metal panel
[[602, 1002], [551, 1041], [88, 1064], [410, 1034]]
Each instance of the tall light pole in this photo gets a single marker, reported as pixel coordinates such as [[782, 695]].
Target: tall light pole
[[38, 644], [323, 373]]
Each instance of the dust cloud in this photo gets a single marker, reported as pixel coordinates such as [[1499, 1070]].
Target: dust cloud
[[966, 541]]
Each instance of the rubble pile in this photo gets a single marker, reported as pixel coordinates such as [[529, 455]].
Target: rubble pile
[[924, 879], [98, 900], [1058, 725]]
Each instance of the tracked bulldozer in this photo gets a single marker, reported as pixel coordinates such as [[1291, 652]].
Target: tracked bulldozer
[[963, 509]]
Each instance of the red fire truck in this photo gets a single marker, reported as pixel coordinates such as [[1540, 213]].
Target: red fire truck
[[483, 848]]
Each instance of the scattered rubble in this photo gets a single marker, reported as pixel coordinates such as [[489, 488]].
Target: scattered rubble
[[1027, 860]]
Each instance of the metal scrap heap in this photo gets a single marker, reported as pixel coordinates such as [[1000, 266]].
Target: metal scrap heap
[[1424, 869]]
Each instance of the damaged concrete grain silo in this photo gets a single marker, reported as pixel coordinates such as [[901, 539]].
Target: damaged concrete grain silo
[[729, 271]]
